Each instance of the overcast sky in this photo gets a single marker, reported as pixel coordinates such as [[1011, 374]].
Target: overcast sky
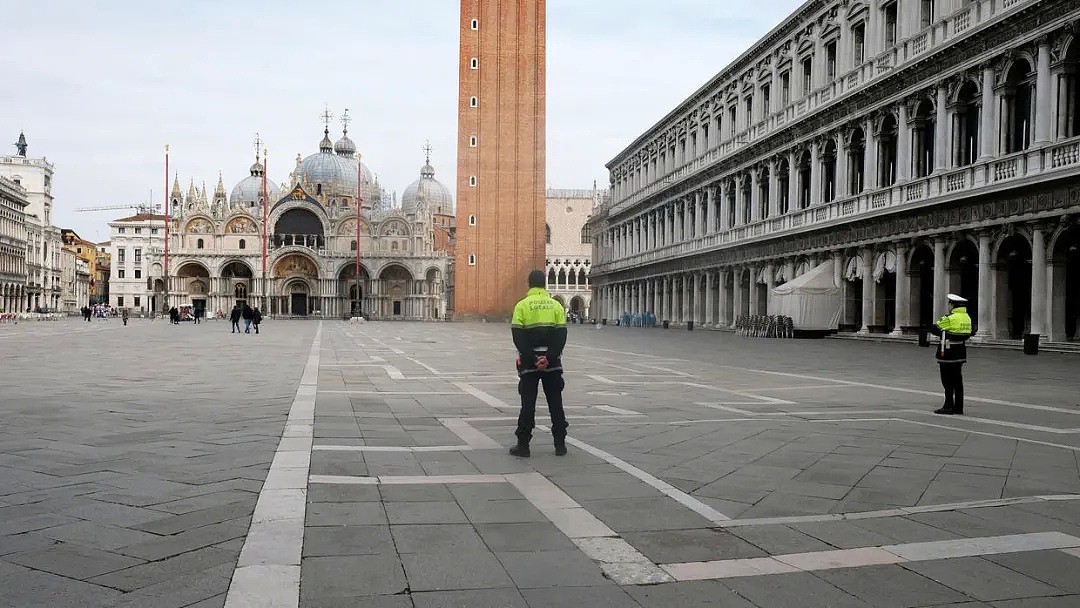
[[101, 87]]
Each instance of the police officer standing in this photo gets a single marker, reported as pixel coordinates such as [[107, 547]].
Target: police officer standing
[[953, 330], [539, 330]]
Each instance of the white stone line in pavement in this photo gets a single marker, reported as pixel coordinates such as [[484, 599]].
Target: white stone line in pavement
[[1030, 406], [346, 392], [268, 571], [803, 387], [400, 480], [1073, 552], [621, 562], [870, 556], [472, 437], [618, 410], [392, 448], [897, 511], [666, 488]]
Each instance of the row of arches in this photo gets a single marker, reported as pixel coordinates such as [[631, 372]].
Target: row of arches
[[1026, 280]]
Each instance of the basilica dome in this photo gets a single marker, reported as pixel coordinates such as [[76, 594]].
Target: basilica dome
[[334, 174], [427, 189], [248, 192]]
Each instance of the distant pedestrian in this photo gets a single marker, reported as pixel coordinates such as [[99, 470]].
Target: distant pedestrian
[[124, 316], [234, 316], [248, 314], [195, 314], [174, 316], [256, 319], [539, 331], [954, 329]]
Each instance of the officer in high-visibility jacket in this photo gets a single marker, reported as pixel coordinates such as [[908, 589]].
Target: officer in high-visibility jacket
[[539, 330], [951, 353]]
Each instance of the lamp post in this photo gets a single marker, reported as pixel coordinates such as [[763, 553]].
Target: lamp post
[[165, 295]]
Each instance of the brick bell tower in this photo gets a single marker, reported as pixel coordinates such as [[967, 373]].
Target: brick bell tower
[[501, 155]]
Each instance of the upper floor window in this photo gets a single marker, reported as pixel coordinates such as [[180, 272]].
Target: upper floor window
[[138, 255], [473, 102], [830, 61], [138, 231], [472, 219], [807, 74], [748, 110], [785, 89], [586, 234], [199, 244], [766, 100], [926, 14], [121, 230], [890, 15], [475, 24], [243, 244], [474, 64], [547, 233], [472, 141], [858, 43]]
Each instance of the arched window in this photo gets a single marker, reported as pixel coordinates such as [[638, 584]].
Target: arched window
[[551, 278], [547, 230], [199, 244], [243, 244], [352, 246], [394, 246], [586, 234], [241, 290]]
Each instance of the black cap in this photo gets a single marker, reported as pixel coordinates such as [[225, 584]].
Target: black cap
[[537, 278]]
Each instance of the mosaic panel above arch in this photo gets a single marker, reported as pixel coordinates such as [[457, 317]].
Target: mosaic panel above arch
[[348, 228], [241, 225], [296, 265], [199, 226]]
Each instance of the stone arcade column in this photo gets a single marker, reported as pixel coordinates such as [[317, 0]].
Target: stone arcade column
[[686, 280], [753, 292], [870, 155], [770, 284], [773, 204], [710, 301], [736, 293], [940, 288], [723, 305], [987, 137], [1038, 276], [903, 144], [986, 308], [903, 290], [1043, 122], [941, 133], [699, 215], [755, 195], [866, 260], [815, 173], [710, 210]]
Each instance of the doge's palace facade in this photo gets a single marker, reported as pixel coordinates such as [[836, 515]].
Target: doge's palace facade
[[918, 146]]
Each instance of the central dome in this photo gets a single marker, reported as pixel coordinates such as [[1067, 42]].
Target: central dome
[[334, 174]]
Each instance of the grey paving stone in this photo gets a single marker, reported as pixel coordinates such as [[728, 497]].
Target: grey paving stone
[[777, 539], [523, 537], [438, 538], [27, 541], [501, 512], [890, 586], [842, 534], [101, 536], [640, 514], [532, 569], [454, 571], [73, 561], [474, 598], [372, 601], [1064, 601], [424, 513], [1055, 568], [350, 576], [606, 596], [145, 575], [695, 594], [189, 540], [416, 493], [343, 493], [795, 589], [320, 541], [44, 590], [180, 592], [673, 546], [982, 579], [345, 514]]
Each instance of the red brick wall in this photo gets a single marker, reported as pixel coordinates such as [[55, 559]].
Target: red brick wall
[[509, 159]]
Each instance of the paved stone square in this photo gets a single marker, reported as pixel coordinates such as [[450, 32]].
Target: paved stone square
[[336, 464]]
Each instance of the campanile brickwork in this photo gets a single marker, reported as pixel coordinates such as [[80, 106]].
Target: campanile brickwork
[[501, 158]]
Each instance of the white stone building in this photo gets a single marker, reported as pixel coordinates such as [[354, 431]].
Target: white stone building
[[43, 243], [136, 241], [12, 246], [569, 246], [919, 146], [311, 234], [75, 281]]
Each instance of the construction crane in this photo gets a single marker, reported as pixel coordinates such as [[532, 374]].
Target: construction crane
[[140, 208]]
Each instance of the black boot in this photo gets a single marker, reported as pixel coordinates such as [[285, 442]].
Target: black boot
[[945, 410], [560, 446], [520, 450]]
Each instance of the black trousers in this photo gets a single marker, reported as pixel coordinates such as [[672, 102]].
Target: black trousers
[[235, 326], [528, 385], [952, 380]]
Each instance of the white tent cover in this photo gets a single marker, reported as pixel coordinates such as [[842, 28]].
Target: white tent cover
[[812, 300]]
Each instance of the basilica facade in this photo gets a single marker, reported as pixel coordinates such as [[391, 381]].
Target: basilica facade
[[330, 213], [918, 147]]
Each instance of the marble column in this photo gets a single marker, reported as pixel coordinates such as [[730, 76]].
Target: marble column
[[1038, 281], [793, 181], [903, 290], [815, 173], [870, 152], [686, 280], [940, 289], [710, 210], [941, 132], [866, 261], [903, 144], [753, 310], [725, 203], [770, 284], [773, 203], [710, 300], [986, 115], [699, 214], [737, 296], [986, 310], [755, 195], [723, 305], [1043, 122]]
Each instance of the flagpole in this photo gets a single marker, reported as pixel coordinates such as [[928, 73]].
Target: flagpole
[[165, 294], [359, 201], [266, 203]]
